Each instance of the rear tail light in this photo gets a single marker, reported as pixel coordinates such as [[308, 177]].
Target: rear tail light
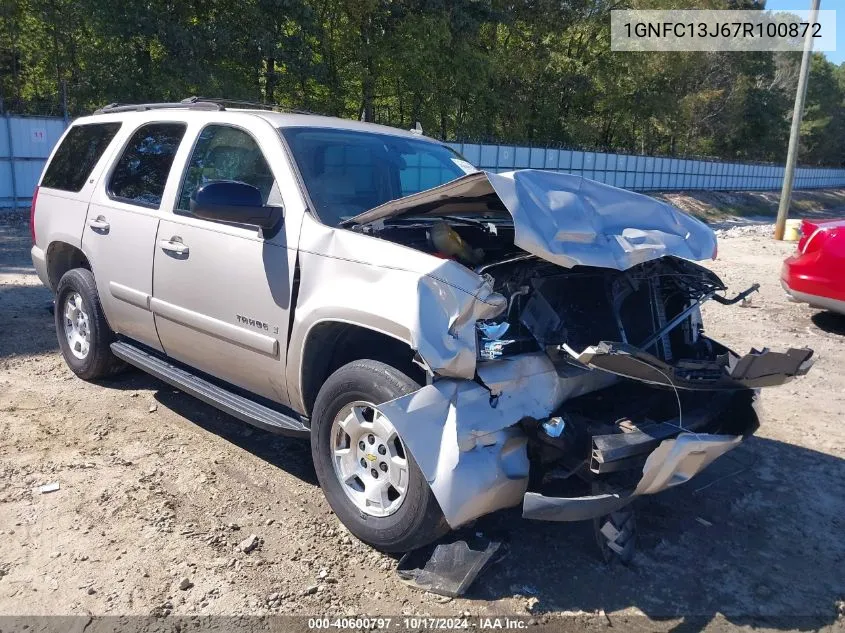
[[32, 215]]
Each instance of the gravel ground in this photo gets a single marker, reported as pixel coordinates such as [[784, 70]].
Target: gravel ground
[[166, 506]]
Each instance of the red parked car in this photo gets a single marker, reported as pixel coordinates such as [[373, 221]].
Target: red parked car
[[815, 274]]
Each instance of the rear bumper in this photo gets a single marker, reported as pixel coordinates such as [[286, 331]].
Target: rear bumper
[[815, 301], [810, 278], [673, 462], [39, 261]]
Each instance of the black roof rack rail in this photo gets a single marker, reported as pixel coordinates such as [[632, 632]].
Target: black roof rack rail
[[241, 103], [141, 107], [232, 102], [196, 103]]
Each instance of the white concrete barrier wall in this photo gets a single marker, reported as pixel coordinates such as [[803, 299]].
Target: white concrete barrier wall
[[645, 173], [26, 142], [25, 145]]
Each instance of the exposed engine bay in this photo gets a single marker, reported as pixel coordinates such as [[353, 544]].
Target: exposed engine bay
[[648, 314], [566, 311]]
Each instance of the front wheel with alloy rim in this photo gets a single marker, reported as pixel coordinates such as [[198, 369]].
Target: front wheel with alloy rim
[[369, 477], [84, 334]]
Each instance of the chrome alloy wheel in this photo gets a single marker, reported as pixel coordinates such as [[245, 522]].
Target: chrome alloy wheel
[[369, 459], [77, 325]]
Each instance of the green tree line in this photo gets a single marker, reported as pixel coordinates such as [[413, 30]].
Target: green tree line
[[518, 71]]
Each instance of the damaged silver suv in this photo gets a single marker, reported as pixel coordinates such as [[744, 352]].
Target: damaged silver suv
[[453, 342]]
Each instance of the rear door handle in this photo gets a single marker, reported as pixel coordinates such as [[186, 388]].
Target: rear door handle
[[174, 245], [99, 224]]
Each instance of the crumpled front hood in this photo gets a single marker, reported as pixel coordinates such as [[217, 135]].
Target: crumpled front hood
[[570, 220]]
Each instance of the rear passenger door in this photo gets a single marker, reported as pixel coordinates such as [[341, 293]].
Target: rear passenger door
[[120, 231], [222, 290]]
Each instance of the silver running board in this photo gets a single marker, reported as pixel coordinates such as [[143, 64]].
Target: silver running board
[[228, 401]]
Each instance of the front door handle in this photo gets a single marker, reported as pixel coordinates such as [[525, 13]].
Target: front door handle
[[99, 224], [174, 245]]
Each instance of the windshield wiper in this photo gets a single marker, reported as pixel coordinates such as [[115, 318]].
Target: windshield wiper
[[488, 224]]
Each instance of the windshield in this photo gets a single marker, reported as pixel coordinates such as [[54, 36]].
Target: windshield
[[348, 172]]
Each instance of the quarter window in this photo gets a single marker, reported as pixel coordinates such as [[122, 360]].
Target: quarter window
[[80, 150], [225, 153], [141, 172]]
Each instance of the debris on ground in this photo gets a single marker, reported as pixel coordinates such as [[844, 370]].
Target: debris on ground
[[53, 487], [249, 544], [744, 230], [448, 568]]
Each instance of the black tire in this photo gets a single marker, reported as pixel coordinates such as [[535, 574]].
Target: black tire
[[418, 520], [99, 362]]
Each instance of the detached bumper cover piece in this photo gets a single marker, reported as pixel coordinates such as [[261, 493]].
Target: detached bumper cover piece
[[448, 569], [767, 368], [756, 369], [673, 462]]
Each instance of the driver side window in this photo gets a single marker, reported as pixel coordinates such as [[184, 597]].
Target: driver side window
[[225, 153]]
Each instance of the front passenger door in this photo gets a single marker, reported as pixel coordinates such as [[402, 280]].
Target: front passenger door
[[221, 291]]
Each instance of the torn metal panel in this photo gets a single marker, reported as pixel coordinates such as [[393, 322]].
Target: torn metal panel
[[493, 474], [673, 462], [570, 220], [463, 438], [443, 323]]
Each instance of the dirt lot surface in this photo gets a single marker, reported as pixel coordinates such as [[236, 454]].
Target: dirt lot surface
[[157, 491]]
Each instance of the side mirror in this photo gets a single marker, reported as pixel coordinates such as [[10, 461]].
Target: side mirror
[[231, 201]]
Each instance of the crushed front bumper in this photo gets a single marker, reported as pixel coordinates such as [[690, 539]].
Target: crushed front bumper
[[673, 462], [666, 453]]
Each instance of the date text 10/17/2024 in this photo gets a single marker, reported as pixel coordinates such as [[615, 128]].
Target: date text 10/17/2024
[[418, 623]]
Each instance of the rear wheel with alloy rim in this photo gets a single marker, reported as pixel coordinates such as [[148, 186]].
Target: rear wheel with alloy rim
[[77, 326], [368, 475], [84, 335]]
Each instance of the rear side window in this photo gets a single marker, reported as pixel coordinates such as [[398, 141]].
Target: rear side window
[[79, 152], [141, 171]]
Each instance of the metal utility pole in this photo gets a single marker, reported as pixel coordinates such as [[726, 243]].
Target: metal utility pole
[[797, 113]]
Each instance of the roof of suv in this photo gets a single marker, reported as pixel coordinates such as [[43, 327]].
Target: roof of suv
[[278, 119]]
